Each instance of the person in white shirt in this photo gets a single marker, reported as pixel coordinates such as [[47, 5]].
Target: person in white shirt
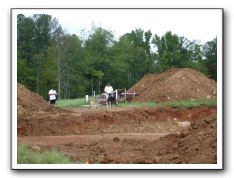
[[52, 96], [109, 91]]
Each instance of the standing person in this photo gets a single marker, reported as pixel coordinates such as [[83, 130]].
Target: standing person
[[109, 91], [52, 96]]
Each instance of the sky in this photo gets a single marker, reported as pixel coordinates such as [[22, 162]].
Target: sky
[[201, 25]]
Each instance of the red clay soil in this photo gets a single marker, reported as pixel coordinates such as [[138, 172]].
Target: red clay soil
[[136, 120], [174, 84], [131, 135], [30, 101], [157, 139], [30, 104]]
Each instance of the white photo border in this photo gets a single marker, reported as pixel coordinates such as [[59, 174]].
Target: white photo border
[[220, 102]]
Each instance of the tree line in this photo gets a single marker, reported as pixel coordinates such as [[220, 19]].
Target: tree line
[[76, 65]]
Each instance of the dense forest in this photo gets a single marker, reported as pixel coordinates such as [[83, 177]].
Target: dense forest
[[76, 65]]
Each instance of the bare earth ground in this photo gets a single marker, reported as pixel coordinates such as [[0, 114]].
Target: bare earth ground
[[124, 135]]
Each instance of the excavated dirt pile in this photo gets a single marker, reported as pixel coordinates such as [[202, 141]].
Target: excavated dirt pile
[[31, 105], [30, 101], [174, 84]]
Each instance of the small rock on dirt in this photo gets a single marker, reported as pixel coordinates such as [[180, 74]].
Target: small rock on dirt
[[161, 110], [69, 144], [208, 120], [116, 139], [35, 148], [184, 124], [183, 133], [156, 159], [162, 152]]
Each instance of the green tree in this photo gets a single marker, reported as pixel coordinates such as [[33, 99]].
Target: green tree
[[122, 59], [25, 29], [210, 55], [175, 51], [98, 57], [169, 48], [41, 41], [73, 79], [25, 51], [57, 34], [140, 59]]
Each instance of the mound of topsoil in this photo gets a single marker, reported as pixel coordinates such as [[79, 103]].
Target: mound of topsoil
[[174, 84], [28, 101]]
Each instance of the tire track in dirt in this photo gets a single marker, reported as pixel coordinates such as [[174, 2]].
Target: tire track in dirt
[[54, 140]]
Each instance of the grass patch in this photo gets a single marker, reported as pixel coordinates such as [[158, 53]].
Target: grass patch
[[27, 156], [190, 103], [71, 102], [78, 102], [181, 103], [137, 104]]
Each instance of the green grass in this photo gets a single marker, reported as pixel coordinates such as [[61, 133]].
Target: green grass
[[78, 102], [137, 104], [181, 103], [27, 156], [71, 102], [191, 103]]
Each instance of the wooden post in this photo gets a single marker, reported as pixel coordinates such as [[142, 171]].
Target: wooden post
[[86, 99], [116, 96]]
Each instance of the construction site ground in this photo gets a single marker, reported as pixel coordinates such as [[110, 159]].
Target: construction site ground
[[154, 135]]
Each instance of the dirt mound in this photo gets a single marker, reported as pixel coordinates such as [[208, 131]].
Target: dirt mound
[[174, 84], [29, 102]]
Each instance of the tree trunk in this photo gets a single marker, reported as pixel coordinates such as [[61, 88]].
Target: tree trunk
[[37, 59], [99, 83], [59, 73], [92, 87], [38, 77], [66, 89]]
